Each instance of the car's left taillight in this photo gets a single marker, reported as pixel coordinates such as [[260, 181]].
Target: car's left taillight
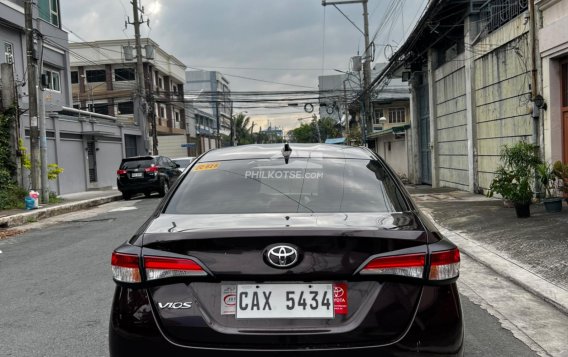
[[120, 172], [166, 267], [125, 268]]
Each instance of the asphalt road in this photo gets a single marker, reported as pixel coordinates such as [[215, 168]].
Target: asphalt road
[[56, 287]]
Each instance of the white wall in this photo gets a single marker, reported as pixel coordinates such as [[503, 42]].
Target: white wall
[[171, 145]]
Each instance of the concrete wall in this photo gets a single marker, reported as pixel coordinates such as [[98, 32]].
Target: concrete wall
[[451, 124], [393, 151], [502, 94], [171, 145]]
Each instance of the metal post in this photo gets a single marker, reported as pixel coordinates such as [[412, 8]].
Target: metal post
[[366, 74]]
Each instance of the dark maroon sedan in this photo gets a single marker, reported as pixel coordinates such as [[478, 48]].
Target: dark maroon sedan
[[295, 249]]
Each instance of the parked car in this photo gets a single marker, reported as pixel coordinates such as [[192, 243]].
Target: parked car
[[146, 174], [287, 248], [183, 161]]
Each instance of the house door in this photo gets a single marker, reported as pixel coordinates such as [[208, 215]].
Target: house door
[[565, 112], [92, 157], [424, 134]]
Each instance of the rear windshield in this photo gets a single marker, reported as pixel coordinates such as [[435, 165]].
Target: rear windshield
[[136, 164], [302, 185]]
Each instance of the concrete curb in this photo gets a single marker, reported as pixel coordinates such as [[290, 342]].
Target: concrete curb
[[42, 213], [509, 269]]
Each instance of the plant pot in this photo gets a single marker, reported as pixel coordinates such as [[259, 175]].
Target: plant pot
[[553, 204], [523, 209], [508, 203]]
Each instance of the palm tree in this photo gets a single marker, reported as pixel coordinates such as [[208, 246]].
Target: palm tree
[[242, 132]]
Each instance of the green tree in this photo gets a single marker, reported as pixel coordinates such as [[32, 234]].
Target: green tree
[[242, 131], [315, 131]]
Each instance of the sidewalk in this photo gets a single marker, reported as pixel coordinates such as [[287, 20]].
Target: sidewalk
[[69, 203], [532, 252]]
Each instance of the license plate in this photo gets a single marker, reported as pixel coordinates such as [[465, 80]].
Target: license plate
[[284, 301], [137, 174]]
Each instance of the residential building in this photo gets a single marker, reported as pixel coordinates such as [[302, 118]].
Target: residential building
[[390, 124], [469, 69], [87, 146], [553, 49], [103, 78], [214, 98]]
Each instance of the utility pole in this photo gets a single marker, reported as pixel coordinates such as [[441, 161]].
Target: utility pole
[[367, 57], [32, 96], [139, 103], [44, 192], [345, 108]]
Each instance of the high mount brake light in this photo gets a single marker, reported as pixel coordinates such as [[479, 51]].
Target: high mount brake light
[[162, 267], [125, 268], [152, 169], [443, 265], [410, 265]]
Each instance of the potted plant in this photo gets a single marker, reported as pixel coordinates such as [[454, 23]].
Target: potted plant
[[514, 178], [561, 172], [547, 178]]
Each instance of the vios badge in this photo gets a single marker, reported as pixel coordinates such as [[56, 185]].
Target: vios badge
[[281, 255]]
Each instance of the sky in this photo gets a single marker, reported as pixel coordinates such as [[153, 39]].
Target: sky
[[259, 45]]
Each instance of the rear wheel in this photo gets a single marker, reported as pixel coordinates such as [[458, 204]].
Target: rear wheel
[[126, 195], [164, 188]]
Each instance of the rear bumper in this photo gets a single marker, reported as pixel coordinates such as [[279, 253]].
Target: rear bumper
[[141, 186], [136, 331]]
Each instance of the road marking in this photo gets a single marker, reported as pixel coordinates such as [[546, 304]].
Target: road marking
[[123, 209]]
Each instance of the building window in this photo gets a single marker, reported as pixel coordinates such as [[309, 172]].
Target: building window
[[99, 108], [74, 77], [96, 75], [124, 74], [162, 112], [160, 83], [177, 117], [397, 115], [52, 80], [49, 11], [8, 53], [379, 113], [125, 108]]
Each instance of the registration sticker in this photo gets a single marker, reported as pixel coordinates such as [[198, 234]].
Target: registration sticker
[[340, 298], [207, 166], [228, 299]]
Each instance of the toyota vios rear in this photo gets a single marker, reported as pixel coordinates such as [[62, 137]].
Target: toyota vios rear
[[304, 249]]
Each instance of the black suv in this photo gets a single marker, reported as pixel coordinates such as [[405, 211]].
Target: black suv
[[146, 174]]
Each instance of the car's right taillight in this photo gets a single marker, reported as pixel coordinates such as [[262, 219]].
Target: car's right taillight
[[125, 268], [445, 264], [408, 265], [152, 169]]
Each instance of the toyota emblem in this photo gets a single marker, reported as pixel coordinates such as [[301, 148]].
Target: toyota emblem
[[281, 255]]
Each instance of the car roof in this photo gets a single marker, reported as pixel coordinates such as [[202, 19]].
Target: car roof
[[143, 157], [266, 151], [182, 158]]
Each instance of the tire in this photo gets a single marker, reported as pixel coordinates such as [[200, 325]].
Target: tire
[[164, 188], [126, 196]]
